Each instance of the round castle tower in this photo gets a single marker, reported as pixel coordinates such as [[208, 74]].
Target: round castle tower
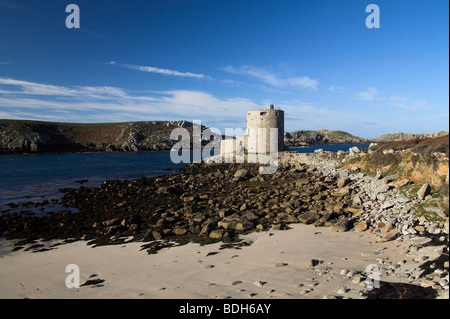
[[264, 119]]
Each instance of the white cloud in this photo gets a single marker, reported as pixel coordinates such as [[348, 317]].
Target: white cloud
[[85, 103], [273, 79], [408, 104], [336, 89], [100, 104], [152, 69], [37, 88], [368, 95]]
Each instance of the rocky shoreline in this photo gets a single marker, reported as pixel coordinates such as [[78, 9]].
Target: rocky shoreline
[[208, 203]]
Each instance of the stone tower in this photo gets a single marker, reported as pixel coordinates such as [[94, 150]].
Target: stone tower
[[264, 119], [258, 133]]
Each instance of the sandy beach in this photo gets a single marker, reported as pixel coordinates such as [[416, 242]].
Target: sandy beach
[[275, 265]]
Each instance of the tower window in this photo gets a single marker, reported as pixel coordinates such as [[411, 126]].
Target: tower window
[[263, 113]]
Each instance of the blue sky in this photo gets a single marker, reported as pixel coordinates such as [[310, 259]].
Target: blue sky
[[215, 60]]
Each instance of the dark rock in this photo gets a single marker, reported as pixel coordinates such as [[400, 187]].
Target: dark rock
[[309, 217]]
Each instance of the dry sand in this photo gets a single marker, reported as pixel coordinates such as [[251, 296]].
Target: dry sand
[[276, 259]]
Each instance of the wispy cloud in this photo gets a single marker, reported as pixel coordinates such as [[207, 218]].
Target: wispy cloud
[[273, 79], [5, 63], [85, 103], [16, 6], [152, 69], [336, 89], [368, 95], [408, 104]]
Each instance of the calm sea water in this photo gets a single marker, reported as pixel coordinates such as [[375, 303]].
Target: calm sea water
[[32, 177]]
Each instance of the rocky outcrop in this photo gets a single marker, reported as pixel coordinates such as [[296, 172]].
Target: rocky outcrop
[[400, 137], [18, 136], [306, 138]]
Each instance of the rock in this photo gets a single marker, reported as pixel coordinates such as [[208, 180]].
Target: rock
[[361, 226], [310, 264], [180, 231], [341, 191], [304, 291], [341, 225], [217, 234], [403, 199], [401, 183], [354, 151], [295, 193], [343, 182], [342, 290], [390, 178], [391, 235], [308, 217], [424, 191], [344, 272], [208, 226], [436, 210], [259, 283], [244, 225], [240, 175], [222, 212], [356, 279], [420, 240], [387, 205], [280, 265], [356, 200], [387, 228], [243, 207], [111, 222], [419, 228], [380, 188]]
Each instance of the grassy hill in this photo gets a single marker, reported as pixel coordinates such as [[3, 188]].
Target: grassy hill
[[18, 136]]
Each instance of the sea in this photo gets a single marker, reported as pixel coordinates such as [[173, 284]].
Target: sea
[[35, 177]]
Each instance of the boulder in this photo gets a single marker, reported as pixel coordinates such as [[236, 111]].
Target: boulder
[[207, 227], [180, 231], [401, 183], [343, 182], [341, 225], [424, 191], [217, 234], [309, 217], [361, 226], [240, 175], [354, 151], [391, 235]]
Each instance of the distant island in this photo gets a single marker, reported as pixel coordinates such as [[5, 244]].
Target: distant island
[[27, 136], [307, 138]]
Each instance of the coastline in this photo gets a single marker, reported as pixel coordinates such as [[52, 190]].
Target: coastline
[[241, 229], [250, 272]]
